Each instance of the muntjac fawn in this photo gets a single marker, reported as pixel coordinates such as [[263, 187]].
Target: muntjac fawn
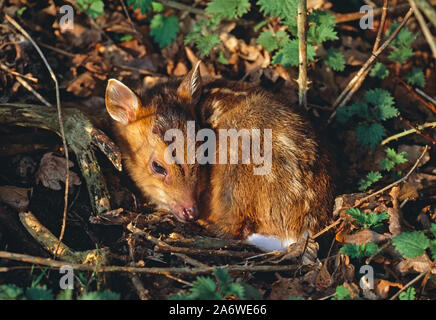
[[288, 198]]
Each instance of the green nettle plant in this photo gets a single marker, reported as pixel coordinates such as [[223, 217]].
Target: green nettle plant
[[206, 288]]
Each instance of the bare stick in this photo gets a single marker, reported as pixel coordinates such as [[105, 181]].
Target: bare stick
[[26, 85], [409, 284], [427, 34], [428, 10], [181, 6], [368, 64], [192, 271], [374, 49], [425, 95], [407, 132], [61, 126], [130, 21], [327, 228], [4, 67], [302, 50], [396, 182]]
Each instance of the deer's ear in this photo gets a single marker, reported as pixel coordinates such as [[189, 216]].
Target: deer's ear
[[121, 102], [191, 86]]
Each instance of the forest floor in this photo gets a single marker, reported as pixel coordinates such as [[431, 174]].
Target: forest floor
[[173, 255]]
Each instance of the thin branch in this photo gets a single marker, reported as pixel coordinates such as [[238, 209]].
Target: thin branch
[[4, 67], [427, 34], [407, 132], [368, 64], [27, 86], [181, 6], [396, 182], [302, 50], [409, 284], [61, 126], [152, 270]]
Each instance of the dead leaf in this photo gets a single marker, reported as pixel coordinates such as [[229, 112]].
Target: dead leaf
[[364, 236], [285, 287], [83, 86], [323, 279], [52, 171], [382, 287], [16, 198], [415, 265], [394, 213]]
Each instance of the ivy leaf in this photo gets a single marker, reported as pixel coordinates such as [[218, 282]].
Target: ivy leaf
[[371, 178], [370, 135], [335, 60], [409, 294], [271, 41], [143, 5], [359, 251], [411, 244], [416, 77], [227, 9], [164, 29], [288, 55], [379, 71]]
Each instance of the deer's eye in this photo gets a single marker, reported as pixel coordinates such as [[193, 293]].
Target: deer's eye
[[157, 168]]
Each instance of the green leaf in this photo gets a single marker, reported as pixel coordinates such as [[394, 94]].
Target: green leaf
[[403, 39], [383, 100], [409, 294], [401, 55], [39, 293], [271, 41], [205, 288], [359, 251], [416, 77], [320, 33], [157, 6], [103, 295], [411, 244], [433, 229], [251, 292], [392, 159], [293, 298], [222, 276], [203, 36], [321, 17], [342, 293], [379, 71], [335, 60], [371, 178], [94, 8], [344, 113], [285, 9], [235, 289], [370, 135], [164, 29], [66, 294], [367, 220], [227, 9], [222, 59], [433, 249], [10, 292], [288, 55], [144, 5]]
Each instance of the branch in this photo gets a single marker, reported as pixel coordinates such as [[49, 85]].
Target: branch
[[302, 50], [427, 34]]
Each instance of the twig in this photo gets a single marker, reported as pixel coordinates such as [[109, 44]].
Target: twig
[[407, 132], [327, 228], [396, 182], [4, 67], [61, 126], [368, 64], [139, 36], [26, 85], [428, 10], [409, 284], [427, 34], [429, 105], [374, 49], [152, 270], [302, 53], [181, 6], [387, 244], [425, 95]]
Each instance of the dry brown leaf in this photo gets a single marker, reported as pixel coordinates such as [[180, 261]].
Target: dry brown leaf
[[16, 198], [52, 171], [394, 213], [415, 265], [364, 236], [344, 270], [323, 279], [82, 86], [382, 287], [285, 287]]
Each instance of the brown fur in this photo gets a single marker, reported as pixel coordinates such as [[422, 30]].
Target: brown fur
[[296, 196]]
